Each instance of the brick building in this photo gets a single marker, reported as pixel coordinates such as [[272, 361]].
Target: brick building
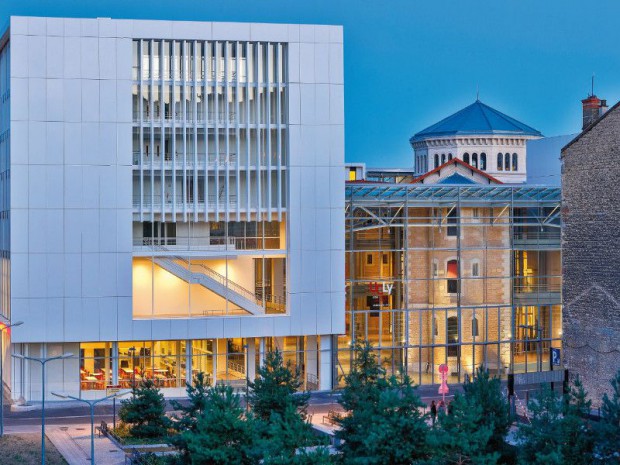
[[455, 265], [591, 248]]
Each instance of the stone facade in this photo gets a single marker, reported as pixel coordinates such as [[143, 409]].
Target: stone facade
[[591, 253]]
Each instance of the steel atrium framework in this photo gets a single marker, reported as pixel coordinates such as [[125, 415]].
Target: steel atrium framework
[[464, 275]]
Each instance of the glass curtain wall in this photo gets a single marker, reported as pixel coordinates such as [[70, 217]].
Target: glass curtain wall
[[461, 276]]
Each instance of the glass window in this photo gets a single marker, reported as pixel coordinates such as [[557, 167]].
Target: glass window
[[475, 269], [500, 162], [507, 162], [453, 336], [443, 158], [95, 365], [452, 275], [474, 160], [452, 222], [466, 158], [436, 160], [483, 161], [449, 156], [474, 327], [435, 269], [515, 162], [369, 259]]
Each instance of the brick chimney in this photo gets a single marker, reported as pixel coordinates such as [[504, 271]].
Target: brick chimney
[[593, 109]]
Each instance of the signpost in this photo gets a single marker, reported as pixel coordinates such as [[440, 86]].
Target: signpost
[[110, 390], [443, 388]]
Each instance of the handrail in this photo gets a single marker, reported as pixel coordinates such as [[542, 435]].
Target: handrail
[[221, 279]]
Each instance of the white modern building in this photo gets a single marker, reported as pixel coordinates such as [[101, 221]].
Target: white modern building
[[171, 200]]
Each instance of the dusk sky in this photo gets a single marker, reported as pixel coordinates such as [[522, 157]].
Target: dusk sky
[[410, 63]]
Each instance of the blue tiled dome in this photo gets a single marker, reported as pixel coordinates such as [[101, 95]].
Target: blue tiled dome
[[476, 119]]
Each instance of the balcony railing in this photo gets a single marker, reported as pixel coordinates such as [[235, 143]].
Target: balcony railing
[[179, 201], [209, 243], [538, 236], [201, 117], [220, 159]]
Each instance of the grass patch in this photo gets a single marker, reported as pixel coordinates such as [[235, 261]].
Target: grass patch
[[24, 449]]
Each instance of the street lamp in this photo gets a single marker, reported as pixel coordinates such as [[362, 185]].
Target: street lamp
[[3, 327], [91, 404], [43, 361]]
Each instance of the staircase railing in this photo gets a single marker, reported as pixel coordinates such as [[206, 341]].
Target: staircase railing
[[220, 278]]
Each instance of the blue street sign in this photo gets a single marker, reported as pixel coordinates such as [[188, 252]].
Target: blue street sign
[[555, 357]]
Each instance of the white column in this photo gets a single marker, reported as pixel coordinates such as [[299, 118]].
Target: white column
[[251, 359], [189, 378], [312, 360], [326, 369], [115, 363], [261, 359]]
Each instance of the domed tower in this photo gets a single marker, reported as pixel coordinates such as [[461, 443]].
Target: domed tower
[[482, 137]]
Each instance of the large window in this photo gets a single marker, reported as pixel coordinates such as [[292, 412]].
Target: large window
[[453, 336], [500, 162], [452, 221], [466, 158], [452, 275], [483, 161], [515, 162]]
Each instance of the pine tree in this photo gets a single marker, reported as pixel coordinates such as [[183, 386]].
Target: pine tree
[[607, 450], [145, 411], [197, 395], [222, 434], [276, 387], [382, 422], [280, 410], [285, 438], [486, 391], [560, 431], [462, 436]]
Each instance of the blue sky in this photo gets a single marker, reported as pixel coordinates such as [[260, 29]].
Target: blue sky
[[409, 63]]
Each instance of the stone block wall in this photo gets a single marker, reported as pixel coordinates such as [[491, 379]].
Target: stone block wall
[[591, 253]]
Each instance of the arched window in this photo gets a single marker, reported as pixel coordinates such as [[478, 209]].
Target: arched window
[[452, 276], [474, 160], [515, 162], [436, 160], [466, 158], [500, 162], [507, 162], [483, 161], [453, 336], [443, 158], [449, 156]]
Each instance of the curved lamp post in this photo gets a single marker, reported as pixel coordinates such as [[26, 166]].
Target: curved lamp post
[[3, 328], [91, 404], [43, 361]]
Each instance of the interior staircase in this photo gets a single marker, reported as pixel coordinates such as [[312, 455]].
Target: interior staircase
[[212, 280]]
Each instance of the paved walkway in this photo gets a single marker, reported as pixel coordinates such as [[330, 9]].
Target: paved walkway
[[73, 442]]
